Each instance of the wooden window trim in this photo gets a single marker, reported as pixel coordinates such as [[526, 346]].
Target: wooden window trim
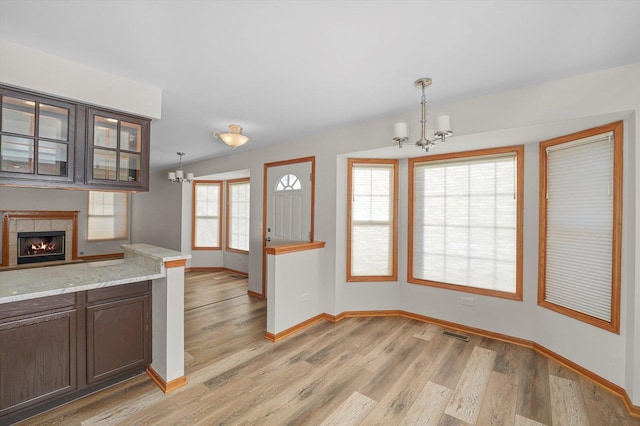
[[193, 214], [518, 150], [613, 325], [394, 251], [228, 216]]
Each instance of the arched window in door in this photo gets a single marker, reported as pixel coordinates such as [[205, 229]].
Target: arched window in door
[[288, 182]]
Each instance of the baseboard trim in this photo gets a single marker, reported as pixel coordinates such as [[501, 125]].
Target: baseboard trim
[[97, 257], [254, 294], [233, 271], [289, 331], [166, 387], [204, 269], [634, 410]]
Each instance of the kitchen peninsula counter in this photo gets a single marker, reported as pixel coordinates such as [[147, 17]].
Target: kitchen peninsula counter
[[141, 262], [69, 330]]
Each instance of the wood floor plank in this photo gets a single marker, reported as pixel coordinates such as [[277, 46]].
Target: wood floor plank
[[428, 406], [467, 396], [499, 404], [567, 406], [395, 404], [350, 412], [235, 376], [523, 421], [534, 401]]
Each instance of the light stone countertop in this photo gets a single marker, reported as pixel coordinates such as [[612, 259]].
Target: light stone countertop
[[141, 262]]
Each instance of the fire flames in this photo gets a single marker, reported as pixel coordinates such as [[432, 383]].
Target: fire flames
[[42, 247]]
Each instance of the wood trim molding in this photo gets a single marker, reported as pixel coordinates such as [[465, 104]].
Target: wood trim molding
[[292, 248], [175, 263], [98, 257], [289, 331], [8, 215], [204, 269], [634, 410], [613, 325], [312, 160], [254, 294], [518, 151], [166, 387]]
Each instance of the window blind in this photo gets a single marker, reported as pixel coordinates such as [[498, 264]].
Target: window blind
[[465, 222], [238, 220], [107, 217], [579, 225], [372, 219], [206, 214]]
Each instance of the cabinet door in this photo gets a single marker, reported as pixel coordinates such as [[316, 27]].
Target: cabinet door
[[37, 359], [118, 337], [117, 150], [37, 139]]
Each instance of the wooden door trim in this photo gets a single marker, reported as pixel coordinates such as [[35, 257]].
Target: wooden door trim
[[312, 160]]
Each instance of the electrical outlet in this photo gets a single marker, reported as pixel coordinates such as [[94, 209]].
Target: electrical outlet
[[305, 297], [467, 301]]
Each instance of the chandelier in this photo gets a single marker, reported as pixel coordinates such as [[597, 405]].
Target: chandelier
[[178, 176], [234, 138], [428, 137]]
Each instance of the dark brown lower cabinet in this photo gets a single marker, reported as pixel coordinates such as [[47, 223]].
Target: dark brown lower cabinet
[[56, 348]]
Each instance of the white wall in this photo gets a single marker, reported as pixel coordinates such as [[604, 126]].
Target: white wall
[[524, 116], [58, 199]]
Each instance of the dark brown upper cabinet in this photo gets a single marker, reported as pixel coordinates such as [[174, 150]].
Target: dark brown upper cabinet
[[51, 142], [117, 150], [37, 139]]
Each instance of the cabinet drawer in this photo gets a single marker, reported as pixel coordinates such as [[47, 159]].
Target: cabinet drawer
[[35, 306], [117, 292]]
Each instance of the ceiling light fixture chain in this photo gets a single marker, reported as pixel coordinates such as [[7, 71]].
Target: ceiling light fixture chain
[[443, 123]]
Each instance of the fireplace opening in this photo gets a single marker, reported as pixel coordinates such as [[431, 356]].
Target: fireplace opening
[[40, 246]]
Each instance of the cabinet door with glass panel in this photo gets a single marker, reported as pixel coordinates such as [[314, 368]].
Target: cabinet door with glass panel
[[117, 150], [37, 137]]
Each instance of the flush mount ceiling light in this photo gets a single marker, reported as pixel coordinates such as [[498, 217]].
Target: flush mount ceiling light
[[234, 138], [178, 176], [428, 137]]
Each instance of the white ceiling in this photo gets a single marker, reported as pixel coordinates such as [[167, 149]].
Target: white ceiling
[[285, 69]]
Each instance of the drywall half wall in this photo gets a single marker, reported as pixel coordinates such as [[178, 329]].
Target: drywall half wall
[[524, 116]]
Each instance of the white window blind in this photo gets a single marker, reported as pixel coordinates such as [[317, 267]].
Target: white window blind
[[108, 214], [238, 219], [579, 225], [372, 220], [206, 221], [465, 222]]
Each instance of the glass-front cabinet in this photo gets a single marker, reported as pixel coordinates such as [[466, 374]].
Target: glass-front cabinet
[[46, 141], [37, 138], [117, 148]]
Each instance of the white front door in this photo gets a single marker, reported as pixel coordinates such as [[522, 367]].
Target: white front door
[[289, 203]]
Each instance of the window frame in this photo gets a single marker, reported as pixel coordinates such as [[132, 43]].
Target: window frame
[[394, 221], [228, 215], [195, 184], [616, 250], [126, 217], [518, 151]]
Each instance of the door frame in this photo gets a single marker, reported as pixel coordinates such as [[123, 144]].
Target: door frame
[[312, 160]]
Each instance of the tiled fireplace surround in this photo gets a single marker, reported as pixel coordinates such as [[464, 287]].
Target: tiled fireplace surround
[[37, 221]]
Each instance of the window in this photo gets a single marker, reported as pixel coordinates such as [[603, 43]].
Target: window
[[372, 220], [238, 192], [580, 225], [465, 226], [108, 216], [207, 211], [288, 182]]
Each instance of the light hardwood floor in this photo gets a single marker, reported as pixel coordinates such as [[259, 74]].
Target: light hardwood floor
[[368, 371]]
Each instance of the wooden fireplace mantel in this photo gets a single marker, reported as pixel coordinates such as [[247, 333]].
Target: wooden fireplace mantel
[[9, 215]]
